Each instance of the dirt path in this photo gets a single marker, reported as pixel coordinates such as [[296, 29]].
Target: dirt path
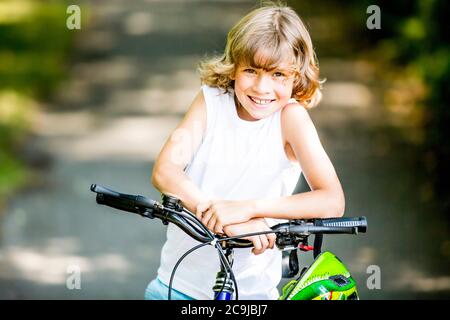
[[133, 78]]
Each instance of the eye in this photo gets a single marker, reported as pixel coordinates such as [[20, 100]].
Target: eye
[[279, 74], [249, 70]]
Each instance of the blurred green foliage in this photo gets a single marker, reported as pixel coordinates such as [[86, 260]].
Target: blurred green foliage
[[415, 41], [412, 46], [34, 50], [411, 51]]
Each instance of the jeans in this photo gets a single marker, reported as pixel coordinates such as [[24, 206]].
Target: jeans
[[156, 290]]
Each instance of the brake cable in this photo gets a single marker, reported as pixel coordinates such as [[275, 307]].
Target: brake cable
[[178, 263], [196, 224], [222, 258]]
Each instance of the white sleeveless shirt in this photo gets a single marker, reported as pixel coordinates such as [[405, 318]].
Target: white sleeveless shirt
[[237, 160]]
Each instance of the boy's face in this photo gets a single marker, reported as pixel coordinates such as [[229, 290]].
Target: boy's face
[[262, 92]]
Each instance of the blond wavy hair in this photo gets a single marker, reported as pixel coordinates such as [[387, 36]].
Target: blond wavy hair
[[263, 39]]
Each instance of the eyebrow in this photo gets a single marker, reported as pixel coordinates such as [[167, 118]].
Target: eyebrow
[[282, 69], [285, 70]]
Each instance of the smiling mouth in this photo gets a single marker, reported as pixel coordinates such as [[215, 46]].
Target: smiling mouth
[[261, 102]]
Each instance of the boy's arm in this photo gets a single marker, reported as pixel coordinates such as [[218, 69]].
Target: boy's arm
[[168, 174], [326, 198]]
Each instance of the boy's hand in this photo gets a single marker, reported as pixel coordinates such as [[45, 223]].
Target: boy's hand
[[217, 214], [260, 242]]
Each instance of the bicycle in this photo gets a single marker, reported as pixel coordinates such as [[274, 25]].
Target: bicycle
[[326, 278]]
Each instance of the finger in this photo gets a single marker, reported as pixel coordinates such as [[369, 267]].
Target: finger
[[211, 223], [206, 216], [218, 228], [199, 211], [272, 239], [201, 208], [264, 243], [256, 245]]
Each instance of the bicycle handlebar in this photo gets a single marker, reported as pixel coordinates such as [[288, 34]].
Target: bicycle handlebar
[[121, 201], [287, 233]]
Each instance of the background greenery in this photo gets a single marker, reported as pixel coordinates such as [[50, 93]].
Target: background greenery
[[411, 53], [411, 49], [391, 154], [414, 45], [34, 57]]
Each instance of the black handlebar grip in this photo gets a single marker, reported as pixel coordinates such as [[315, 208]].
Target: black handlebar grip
[[103, 190], [116, 203], [357, 222], [121, 201]]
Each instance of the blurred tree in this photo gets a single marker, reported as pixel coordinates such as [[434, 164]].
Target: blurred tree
[[412, 51], [415, 36], [34, 50]]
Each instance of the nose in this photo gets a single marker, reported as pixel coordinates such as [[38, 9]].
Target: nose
[[262, 84]]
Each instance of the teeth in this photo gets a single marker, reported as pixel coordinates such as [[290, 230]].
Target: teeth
[[260, 101]]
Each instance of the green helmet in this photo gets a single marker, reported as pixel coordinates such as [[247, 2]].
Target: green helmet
[[326, 279]]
